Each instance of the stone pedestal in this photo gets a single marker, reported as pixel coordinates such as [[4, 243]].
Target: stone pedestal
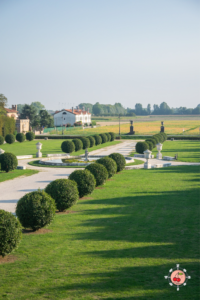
[[159, 155], [147, 165], [39, 154], [131, 128]]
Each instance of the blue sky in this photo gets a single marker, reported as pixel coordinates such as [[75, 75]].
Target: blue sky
[[128, 51]]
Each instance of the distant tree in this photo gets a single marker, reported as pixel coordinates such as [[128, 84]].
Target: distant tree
[[28, 112], [86, 106], [196, 111], [149, 109], [20, 108], [43, 120], [3, 103], [39, 106]]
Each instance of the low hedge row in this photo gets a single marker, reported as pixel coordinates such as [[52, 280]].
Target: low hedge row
[[150, 142]]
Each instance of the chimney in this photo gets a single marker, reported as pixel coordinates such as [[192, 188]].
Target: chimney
[[83, 108], [72, 109], [88, 110], [14, 107], [78, 108]]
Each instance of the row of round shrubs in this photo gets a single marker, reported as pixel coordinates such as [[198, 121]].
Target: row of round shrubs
[[151, 142], [37, 209], [70, 146], [20, 137]]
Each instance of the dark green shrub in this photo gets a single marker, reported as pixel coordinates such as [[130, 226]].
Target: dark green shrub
[[78, 144], [68, 146], [30, 136], [155, 138], [86, 142], [108, 136], [1, 140], [103, 137], [20, 137], [112, 136], [164, 135], [152, 141], [141, 147], [99, 171], [110, 165], [119, 159], [98, 139], [10, 138], [36, 210], [8, 162], [10, 232], [64, 192], [92, 141], [159, 137], [85, 181], [150, 145]]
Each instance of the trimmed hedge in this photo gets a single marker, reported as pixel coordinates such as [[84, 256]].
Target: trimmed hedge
[[85, 181], [141, 147], [64, 192], [20, 137], [8, 162], [119, 159], [86, 142], [104, 138], [150, 145], [112, 134], [10, 138], [92, 141], [110, 165], [30, 136], [1, 140], [78, 144], [36, 210], [153, 141], [68, 146], [10, 232], [99, 171], [108, 136], [57, 137], [98, 139]]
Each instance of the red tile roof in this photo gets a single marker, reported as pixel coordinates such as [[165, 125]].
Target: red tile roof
[[8, 110]]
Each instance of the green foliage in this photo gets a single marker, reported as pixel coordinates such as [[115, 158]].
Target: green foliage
[[108, 136], [64, 192], [104, 138], [20, 137], [85, 181], [86, 142], [78, 144], [119, 159], [28, 111], [39, 106], [92, 141], [112, 136], [99, 171], [10, 138], [153, 141], [3, 103], [68, 146], [30, 136], [110, 165], [98, 139], [8, 161], [7, 125], [36, 210], [10, 232], [141, 147], [1, 140], [150, 145], [43, 119]]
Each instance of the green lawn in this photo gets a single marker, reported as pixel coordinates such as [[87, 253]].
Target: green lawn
[[16, 173], [136, 162], [119, 244], [48, 147], [36, 163]]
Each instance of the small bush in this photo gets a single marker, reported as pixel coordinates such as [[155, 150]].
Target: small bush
[[92, 141], [68, 146], [78, 144], [99, 171], [108, 136], [98, 139], [150, 145], [85, 181], [159, 137], [141, 147], [30, 136], [119, 159], [1, 140], [10, 138], [152, 141], [104, 138], [36, 210], [20, 137], [110, 165], [10, 232], [155, 138], [8, 162], [86, 142], [112, 136], [64, 192]]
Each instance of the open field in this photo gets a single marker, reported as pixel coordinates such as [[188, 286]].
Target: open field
[[16, 173], [147, 118], [115, 245]]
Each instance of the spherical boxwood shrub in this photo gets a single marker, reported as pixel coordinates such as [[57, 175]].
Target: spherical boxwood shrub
[[141, 147], [119, 159], [98, 139], [85, 181], [152, 141], [92, 141], [8, 162], [30, 136], [64, 192], [108, 136], [10, 232], [86, 142], [104, 138], [1, 140], [36, 210], [78, 144], [20, 137], [155, 138], [99, 171], [110, 165], [68, 146], [150, 145], [112, 136], [10, 138], [159, 137]]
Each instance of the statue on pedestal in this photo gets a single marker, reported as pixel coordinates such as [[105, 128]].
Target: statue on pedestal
[[162, 128], [86, 154], [131, 128]]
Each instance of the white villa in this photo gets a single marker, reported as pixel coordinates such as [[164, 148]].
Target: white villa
[[71, 116]]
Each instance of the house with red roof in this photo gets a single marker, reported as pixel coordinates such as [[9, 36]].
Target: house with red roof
[[71, 116]]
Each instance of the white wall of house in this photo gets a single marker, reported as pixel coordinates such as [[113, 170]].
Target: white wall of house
[[64, 117]]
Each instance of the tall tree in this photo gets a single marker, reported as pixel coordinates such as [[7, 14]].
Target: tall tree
[[3, 103], [149, 109], [28, 112], [20, 108], [39, 106], [138, 108]]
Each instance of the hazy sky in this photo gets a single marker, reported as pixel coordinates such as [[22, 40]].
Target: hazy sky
[[107, 51]]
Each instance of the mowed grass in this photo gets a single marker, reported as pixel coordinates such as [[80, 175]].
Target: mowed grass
[[48, 147], [15, 173], [119, 243]]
